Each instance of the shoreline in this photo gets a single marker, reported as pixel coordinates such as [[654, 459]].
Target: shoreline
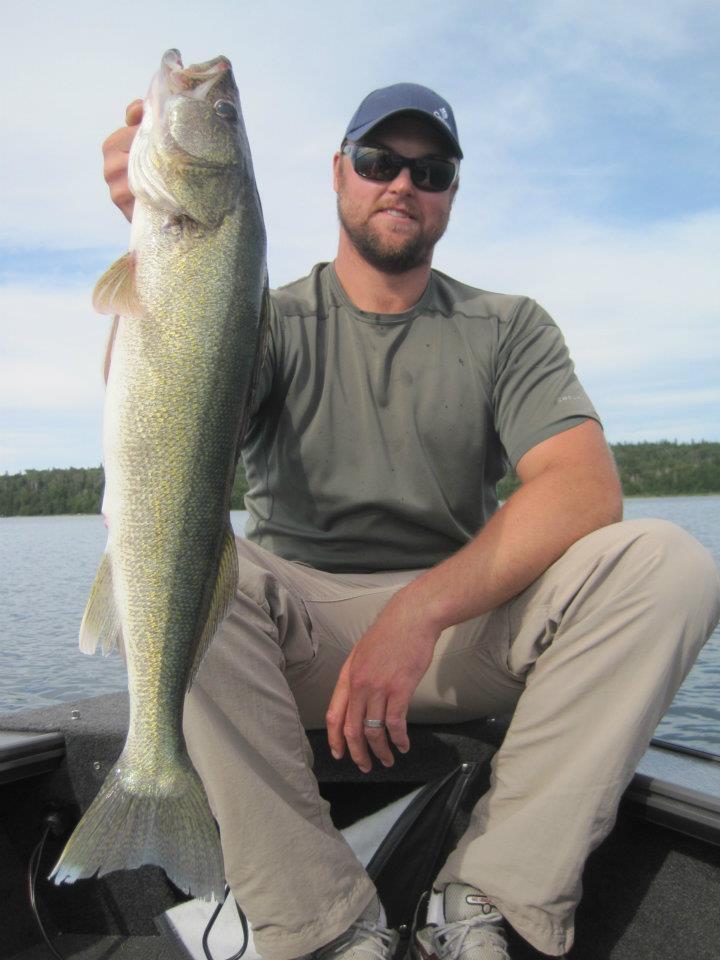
[[647, 469], [626, 496]]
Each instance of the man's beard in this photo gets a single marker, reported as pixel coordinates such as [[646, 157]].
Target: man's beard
[[415, 252]]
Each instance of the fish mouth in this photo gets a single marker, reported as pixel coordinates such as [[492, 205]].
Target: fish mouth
[[195, 80]]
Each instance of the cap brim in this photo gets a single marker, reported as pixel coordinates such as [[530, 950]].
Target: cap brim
[[359, 132]]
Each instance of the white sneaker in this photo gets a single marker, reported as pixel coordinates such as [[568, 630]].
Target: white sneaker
[[458, 922], [366, 939]]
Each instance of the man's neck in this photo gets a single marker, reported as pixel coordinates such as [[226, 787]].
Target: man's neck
[[375, 291]]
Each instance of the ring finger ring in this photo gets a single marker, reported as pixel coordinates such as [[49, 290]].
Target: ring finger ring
[[374, 724]]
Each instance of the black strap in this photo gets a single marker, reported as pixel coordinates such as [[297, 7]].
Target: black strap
[[410, 856]]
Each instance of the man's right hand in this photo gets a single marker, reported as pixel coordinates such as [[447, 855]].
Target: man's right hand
[[116, 150]]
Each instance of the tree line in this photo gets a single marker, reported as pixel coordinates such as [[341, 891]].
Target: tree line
[[74, 490], [663, 469], [646, 469]]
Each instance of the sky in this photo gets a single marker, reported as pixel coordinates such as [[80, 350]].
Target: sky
[[590, 180]]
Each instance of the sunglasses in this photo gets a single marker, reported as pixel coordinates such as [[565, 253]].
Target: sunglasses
[[433, 174]]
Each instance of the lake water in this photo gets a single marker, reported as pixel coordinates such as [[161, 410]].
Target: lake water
[[47, 565]]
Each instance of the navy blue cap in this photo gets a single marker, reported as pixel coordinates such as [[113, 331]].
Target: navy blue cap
[[404, 98]]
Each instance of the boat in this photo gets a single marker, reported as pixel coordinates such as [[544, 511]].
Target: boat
[[651, 890]]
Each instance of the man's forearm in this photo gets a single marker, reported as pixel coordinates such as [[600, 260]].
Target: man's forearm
[[532, 530], [569, 488]]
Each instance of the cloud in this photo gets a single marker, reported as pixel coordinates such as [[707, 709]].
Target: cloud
[[49, 442], [669, 427], [588, 181], [624, 296], [552, 78], [51, 392], [51, 350], [639, 307], [664, 399]]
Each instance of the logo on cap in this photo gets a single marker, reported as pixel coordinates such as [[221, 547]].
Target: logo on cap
[[443, 115]]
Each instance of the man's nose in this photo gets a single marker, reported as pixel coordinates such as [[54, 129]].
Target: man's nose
[[402, 182]]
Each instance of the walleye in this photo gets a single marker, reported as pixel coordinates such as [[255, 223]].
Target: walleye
[[191, 297]]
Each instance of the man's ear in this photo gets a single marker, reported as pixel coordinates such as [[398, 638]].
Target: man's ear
[[337, 160]]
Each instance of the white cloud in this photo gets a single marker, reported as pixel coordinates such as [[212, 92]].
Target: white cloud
[[673, 428], [626, 298], [74, 443], [666, 399], [51, 349], [669, 30], [672, 414], [518, 74], [51, 389], [638, 306], [538, 211]]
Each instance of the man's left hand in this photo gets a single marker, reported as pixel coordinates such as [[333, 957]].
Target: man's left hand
[[377, 682]]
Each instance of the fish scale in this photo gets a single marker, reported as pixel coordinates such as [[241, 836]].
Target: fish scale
[[191, 295]]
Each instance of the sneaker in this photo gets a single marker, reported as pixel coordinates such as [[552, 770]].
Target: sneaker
[[460, 923], [367, 939]]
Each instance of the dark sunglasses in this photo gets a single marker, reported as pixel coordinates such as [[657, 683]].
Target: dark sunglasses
[[378, 163]]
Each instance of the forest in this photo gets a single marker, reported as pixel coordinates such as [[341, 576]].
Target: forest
[[648, 469], [663, 469]]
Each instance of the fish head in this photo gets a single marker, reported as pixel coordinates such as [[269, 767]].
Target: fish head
[[191, 155]]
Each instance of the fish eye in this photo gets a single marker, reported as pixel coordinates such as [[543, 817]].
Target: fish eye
[[226, 110]]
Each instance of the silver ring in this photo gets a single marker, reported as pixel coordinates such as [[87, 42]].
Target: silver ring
[[374, 724]]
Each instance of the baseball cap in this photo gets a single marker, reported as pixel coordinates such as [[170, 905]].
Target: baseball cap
[[404, 98]]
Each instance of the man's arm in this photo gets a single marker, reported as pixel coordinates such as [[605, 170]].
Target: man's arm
[[116, 151], [569, 487]]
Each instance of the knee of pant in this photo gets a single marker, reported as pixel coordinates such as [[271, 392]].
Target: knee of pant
[[688, 570]]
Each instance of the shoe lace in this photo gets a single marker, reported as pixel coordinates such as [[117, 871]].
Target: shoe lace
[[375, 940], [453, 939]]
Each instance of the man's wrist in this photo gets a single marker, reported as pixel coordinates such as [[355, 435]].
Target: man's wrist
[[422, 601]]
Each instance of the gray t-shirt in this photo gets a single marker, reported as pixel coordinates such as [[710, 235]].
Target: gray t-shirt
[[377, 439]]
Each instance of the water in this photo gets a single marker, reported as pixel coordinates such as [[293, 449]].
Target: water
[[693, 718], [47, 565]]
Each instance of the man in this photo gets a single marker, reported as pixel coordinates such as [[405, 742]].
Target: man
[[379, 582]]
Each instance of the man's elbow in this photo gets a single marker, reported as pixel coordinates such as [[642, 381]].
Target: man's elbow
[[592, 496], [607, 502], [615, 507]]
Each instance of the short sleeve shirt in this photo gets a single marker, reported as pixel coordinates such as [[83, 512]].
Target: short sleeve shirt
[[377, 440]]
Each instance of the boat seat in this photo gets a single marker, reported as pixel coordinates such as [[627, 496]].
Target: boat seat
[[93, 732], [27, 754], [435, 750]]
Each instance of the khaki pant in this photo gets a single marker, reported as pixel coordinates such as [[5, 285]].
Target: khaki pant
[[588, 658]]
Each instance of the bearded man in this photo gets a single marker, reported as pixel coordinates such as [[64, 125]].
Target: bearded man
[[380, 582]]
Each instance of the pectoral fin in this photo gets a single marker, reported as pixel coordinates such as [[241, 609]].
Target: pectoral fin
[[115, 290], [225, 587], [100, 622]]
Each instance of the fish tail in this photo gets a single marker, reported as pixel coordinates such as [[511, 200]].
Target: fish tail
[[124, 828]]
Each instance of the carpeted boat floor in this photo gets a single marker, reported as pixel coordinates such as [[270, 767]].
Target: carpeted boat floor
[[650, 893], [88, 947]]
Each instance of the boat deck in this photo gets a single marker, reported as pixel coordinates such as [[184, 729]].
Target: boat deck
[[86, 947], [652, 889]]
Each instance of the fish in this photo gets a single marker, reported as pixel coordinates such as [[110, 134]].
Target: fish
[[191, 296]]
